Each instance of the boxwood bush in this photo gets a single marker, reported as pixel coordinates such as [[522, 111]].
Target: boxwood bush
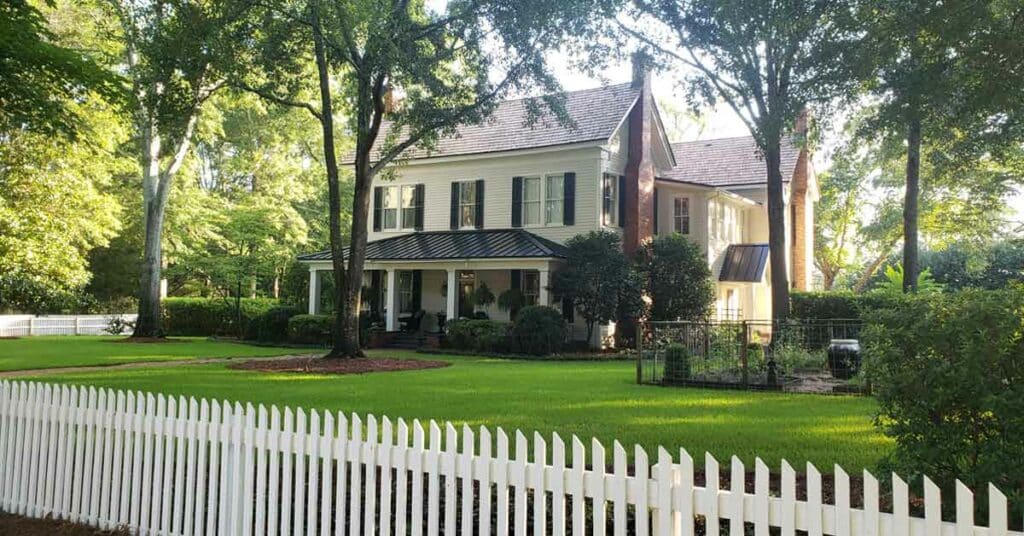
[[538, 330], [838, 304], [677, 363], [204, 317], [479, 335], [310, 329], [272, 324]]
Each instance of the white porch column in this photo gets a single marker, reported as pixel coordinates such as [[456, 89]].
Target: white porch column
[[389, 302], [542, 298], [314, 291], [453, 293]]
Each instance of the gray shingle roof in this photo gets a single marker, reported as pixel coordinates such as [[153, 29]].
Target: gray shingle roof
[[460, 245], [744, 263], [727, 162], [596, 113]]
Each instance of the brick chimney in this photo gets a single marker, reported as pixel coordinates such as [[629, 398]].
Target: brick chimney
[[801, 211], [639, 192]]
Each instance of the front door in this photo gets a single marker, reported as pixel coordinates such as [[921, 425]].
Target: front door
[[467, 286]]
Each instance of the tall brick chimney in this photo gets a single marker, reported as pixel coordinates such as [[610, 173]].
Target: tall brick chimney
[[801, 212], [639, 192]]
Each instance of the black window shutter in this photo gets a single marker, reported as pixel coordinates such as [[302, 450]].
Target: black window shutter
[[567, 310], [569, 197], [655, 212], [479, 204], [378, 202], [517, 279], [517, 201], [622, 200], [606, 200], [417, 290], [455, 206], [417, 201]]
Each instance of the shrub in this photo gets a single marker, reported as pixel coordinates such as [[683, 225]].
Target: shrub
[[539, 330], [271, 325], [478, 335], [310, 329], [949, 380], [838, 304], [677, 363], [203, 317], [676, 277]]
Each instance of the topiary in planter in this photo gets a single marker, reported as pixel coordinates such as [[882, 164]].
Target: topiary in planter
[[677, 363]]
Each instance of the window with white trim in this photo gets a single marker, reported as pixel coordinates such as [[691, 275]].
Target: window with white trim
[[531, 200], [681, 215], [467, 204], [389, 207], [554, 199], [531, 287], [610, 199], [408, 207]]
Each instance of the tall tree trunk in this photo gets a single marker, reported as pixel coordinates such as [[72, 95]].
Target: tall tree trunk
[[911, 266], [777, 230], [148, 323], [869, 272], [344, 345]]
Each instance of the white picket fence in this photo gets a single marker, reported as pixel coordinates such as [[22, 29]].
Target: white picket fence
[[167, 465], [30, 325]]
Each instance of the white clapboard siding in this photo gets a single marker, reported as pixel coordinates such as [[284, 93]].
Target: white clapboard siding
[[160, 465]]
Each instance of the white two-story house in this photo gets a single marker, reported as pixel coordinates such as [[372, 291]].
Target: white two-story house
[[494, 205]]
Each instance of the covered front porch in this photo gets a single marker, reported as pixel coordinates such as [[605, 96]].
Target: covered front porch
[[419, 281]]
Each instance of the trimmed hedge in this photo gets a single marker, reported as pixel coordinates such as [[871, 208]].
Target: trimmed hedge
[[838, 304], [272, 325], [204, 317], [677, 363], [479, 335], [538, 330], [310, 329]]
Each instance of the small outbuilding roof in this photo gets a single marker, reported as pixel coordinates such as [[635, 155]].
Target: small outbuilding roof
[[456, 245], [744, 263]]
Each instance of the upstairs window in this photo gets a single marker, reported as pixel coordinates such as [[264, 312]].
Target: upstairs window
[[408, 207], [531, 200], [467, 205], [610, 200], [681, 215], [554, 200], [397, 207]]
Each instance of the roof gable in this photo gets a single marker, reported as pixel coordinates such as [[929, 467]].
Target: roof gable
[[596, 113], [727, 162]]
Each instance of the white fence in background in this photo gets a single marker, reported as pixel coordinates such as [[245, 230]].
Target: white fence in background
[[29, 325], [166, 465]]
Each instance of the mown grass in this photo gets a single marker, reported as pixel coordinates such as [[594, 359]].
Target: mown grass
[[63, 351], [588, 399]]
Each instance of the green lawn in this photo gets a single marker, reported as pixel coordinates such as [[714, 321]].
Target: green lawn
[[64, 351], [589, 399]]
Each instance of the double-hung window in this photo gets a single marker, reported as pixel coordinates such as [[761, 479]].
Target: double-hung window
[[681, 215], [389, 207], [610, 199], [531, 200], [398, 207], [408, 207], [554, 199], [467, 204], [405, 291], [531, 287]]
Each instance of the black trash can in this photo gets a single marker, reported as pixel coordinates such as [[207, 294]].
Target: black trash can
[[844, 358]]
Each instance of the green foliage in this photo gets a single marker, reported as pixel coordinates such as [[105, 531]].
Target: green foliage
[[840, 304], [21, 294], [893, 283], [478, 335], [948, 376], [310, 329], [271, 325], [482, 295], [40, 79], [677, 278], [598, 278], [539, 330], [677, 363], [512, 300], [210, 316]]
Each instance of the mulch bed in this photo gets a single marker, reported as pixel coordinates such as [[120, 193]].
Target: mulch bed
[[319, 365], [12, 524]]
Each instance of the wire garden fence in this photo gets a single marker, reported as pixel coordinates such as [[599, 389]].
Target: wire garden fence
[[754, 354]]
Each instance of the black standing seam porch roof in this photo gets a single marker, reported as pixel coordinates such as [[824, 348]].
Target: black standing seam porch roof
[[457, 245], [744, 263]]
